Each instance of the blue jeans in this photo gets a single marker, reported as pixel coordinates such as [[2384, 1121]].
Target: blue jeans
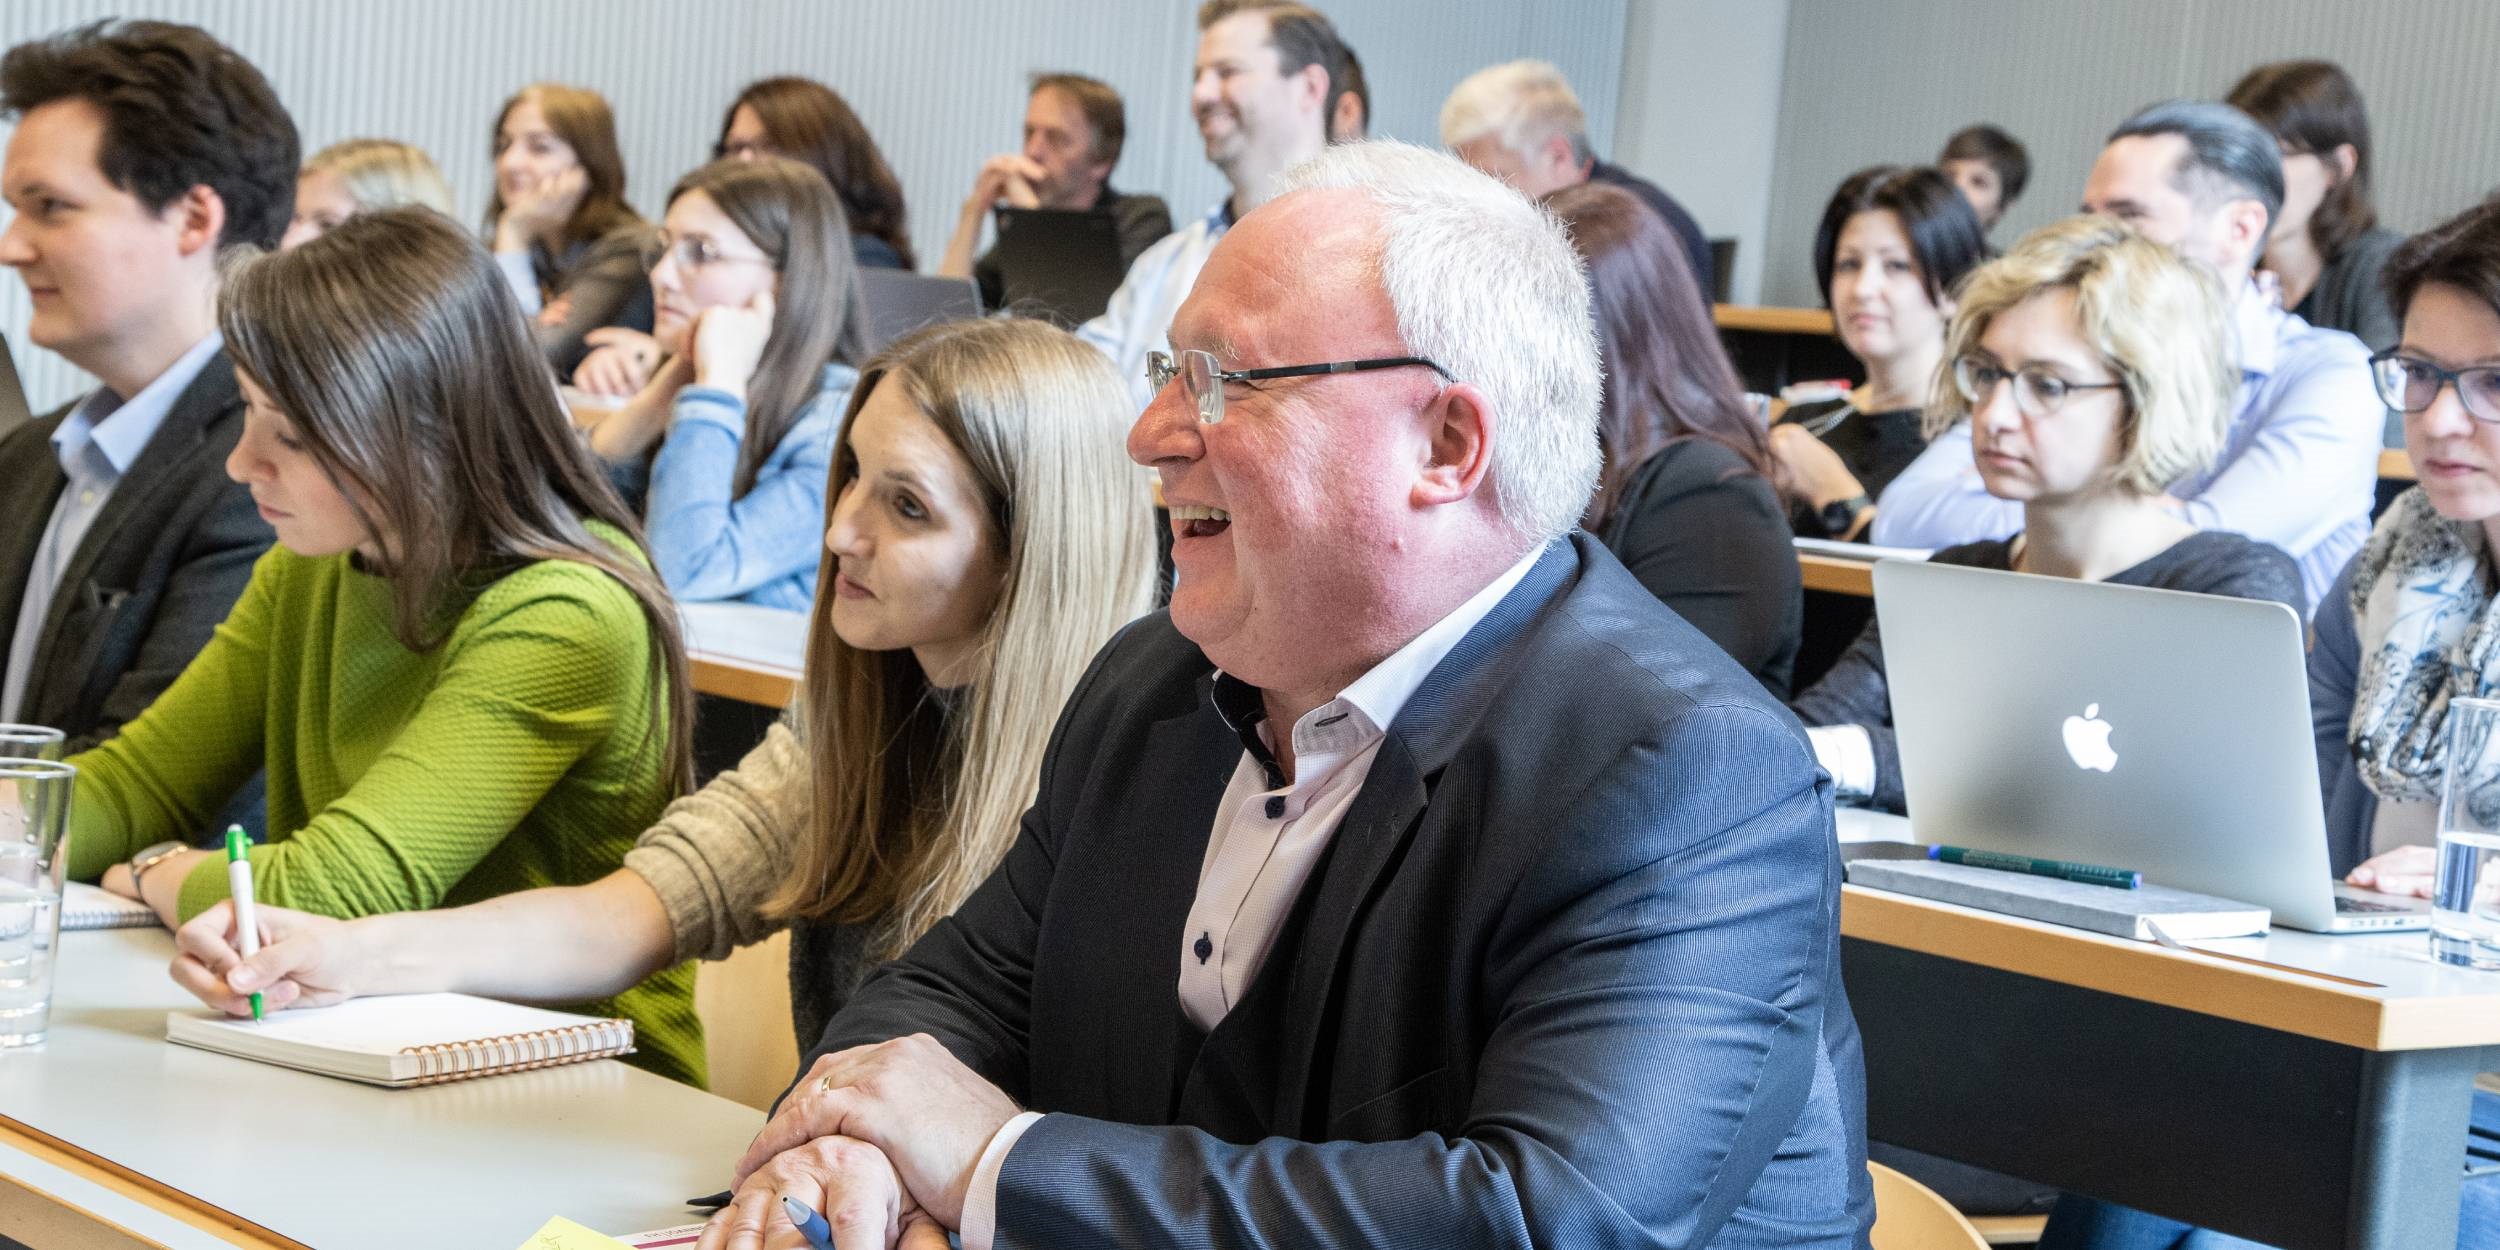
[[2080, 1223]]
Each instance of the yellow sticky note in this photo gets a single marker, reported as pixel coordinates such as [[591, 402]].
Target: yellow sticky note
[[563, 1234]]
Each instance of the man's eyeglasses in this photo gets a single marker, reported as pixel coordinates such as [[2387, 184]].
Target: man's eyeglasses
[[2037, 390], [1202, 379], [692, 253], [2411, 384]]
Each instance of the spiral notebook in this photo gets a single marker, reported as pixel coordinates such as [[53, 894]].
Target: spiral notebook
[[408, 1039], [86, 907]]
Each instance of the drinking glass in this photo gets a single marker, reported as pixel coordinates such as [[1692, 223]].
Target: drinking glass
[[2465, 892], [31, 742], [34, 823]]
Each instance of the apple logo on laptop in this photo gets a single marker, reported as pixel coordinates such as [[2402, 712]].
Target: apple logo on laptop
[[2087, 740]]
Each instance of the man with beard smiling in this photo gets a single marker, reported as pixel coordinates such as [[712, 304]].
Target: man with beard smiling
[[1261, 95], [1419, 880]]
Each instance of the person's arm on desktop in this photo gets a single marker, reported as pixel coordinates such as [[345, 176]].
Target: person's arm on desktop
[[556, 944]]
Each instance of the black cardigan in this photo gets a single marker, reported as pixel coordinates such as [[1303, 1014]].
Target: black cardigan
[[1707, 535]]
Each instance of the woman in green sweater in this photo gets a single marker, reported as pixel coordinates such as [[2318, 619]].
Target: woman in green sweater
[[457, 667]]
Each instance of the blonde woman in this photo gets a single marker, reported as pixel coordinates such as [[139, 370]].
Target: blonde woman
[[988, 535], [362, 176], [2093, 368]]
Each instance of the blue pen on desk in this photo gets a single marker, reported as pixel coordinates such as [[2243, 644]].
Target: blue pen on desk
[[812, 1226], [239, 883], [2088, 874]]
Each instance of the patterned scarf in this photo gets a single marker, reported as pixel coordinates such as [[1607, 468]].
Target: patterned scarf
[[2428, 634]]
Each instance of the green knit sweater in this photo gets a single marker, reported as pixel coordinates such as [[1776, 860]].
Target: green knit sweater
[[524, 751]]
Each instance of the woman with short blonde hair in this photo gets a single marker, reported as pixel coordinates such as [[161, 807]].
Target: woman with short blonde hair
[[2094, 369], [2160, 325], [988, 534], [363, 176]]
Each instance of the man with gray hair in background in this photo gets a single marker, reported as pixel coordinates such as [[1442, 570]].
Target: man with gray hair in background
[[1521, 122], [1344, 916], [2300, 467]]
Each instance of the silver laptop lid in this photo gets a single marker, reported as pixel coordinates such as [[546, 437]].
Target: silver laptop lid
[[2149, 729]]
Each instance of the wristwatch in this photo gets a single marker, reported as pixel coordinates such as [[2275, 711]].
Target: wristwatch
[[1838, 515], [150, 858]]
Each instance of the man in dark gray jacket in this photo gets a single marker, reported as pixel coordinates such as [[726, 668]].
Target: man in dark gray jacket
[[141, 150]]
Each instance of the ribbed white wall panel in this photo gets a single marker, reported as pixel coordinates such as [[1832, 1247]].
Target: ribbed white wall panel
[[941, 83], [1869, 81]]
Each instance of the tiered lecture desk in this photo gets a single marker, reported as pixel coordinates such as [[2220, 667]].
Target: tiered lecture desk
[[2300, 1090], [739, 651], [112, 1138], [1773, 347]]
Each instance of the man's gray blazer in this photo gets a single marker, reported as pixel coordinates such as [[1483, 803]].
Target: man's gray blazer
[[1567, 975]]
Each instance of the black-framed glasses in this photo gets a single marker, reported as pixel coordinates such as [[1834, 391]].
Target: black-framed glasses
[[692, 252], [1203, 379], [2038, 390], [2411, 384]]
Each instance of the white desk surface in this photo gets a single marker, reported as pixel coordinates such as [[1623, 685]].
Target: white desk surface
[[740, 651], [2379, 991], [765, 637], [325, 1162]]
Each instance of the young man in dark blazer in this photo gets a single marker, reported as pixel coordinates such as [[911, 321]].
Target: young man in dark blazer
[[1419, 879], [141, 150]]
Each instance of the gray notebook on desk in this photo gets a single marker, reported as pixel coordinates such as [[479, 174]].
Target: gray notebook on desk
[[2120, 913]]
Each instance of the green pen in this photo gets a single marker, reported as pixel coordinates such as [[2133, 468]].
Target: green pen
[[239, 883], [2089, 874]]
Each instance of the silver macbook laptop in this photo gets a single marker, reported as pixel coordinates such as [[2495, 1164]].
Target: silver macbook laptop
[[2146, 729]]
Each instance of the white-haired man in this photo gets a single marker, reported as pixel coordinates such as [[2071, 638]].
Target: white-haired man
[[1339, 919], [1261, 95], [1521, 122]]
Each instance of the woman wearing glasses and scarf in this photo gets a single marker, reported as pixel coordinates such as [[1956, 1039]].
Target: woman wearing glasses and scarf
[[758, 308], [2409, 626], [2094, 370]]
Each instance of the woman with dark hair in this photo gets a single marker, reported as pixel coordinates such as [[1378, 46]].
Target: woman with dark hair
[[763, 326], [809, 122], [2325, 248], [559, 224], [1685, 496], [1892, 245], [989, 535], [456, 668]]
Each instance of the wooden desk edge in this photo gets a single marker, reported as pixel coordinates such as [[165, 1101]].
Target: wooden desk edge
[[1772, 320], [2395, 463], [2284, 1001], [213, 1220], [1839, 576], [745, 681]]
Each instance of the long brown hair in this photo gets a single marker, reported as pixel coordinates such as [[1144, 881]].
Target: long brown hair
[[580, 117], [914, 805], [1667, 376], [819, 316], [2314, 107], [396, 349], [808, 121]]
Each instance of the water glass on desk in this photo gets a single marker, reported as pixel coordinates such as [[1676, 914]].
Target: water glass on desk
[[34, 824], [30, 742], [2465, 892]]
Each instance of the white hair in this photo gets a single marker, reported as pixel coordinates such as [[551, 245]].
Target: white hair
[[1487, 285], [1520, 103]]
